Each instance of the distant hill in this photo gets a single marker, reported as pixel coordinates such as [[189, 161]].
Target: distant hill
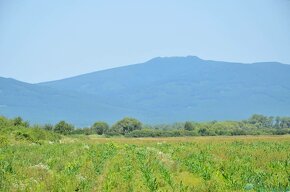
[[161, 90], [40, 104]]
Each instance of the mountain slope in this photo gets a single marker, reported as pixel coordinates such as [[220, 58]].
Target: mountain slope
[[182, 88], [161, 90], [40, 104]]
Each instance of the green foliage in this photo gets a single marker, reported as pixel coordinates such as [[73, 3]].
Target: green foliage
[[87, 131], [281, 131], [100, 128], [282, 122], [48, 127], [78, 131], [32, 159], [112, 133], [160, 133], [173, 126], [4, 122], [130, 127], [17, 121], [167, 164], [188, 126], [63, 128], [3, 141], [127, 125], [261, 121], [35, 135], [255, 125], [16, 131]]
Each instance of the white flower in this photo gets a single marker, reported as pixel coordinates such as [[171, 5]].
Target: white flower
[[41, 166]]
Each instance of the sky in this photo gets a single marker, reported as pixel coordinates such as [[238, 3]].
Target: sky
[[49, 40]]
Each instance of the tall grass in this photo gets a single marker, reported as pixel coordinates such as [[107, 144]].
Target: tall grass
[[177, 164]]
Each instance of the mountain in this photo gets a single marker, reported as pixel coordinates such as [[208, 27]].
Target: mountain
[[40, 104], [161, 90]]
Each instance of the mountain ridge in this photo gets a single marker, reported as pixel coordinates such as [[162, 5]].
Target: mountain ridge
[[165, 58], [162, 89]]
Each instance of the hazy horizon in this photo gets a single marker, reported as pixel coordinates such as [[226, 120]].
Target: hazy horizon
[[44, 41]]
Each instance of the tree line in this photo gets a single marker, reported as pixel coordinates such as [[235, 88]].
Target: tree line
[[131, 127]]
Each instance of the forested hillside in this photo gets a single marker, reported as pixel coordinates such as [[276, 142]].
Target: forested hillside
[[162, 90]]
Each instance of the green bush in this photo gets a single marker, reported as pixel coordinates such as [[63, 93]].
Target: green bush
[[127, 125], [63, 127], [160, 133], [35, 135], [3, 141], [100, 128], [112, 133], [23, 136], [281, 131]]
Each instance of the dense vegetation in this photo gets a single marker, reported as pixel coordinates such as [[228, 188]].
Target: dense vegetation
[[61, 157], [18, 131], [90, 163], [130, 127]]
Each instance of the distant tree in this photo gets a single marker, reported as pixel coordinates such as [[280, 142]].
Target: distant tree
[[284, 122], [48, 127], [78, 131], [87, 131], [25, 124], [213, 122], [100, 127], [18, 121], [63, 128], [277, 122], [127, 125], [203, 131], [188, 126], [261, 121]]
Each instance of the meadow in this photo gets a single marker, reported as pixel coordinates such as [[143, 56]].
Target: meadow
[[92, 163]]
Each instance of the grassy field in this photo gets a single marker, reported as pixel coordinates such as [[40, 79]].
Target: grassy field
[[89, 163]]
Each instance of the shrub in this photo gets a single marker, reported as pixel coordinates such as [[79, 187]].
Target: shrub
[[87, 131], [188, 126], [63, 128], [23, 136], [127, 125], [3, 141], [100, 127], [48, 127], [282, 131]]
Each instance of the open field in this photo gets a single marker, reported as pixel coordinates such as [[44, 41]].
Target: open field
[[90, 163]]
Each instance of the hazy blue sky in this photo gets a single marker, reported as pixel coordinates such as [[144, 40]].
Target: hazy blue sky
[[53, 39]]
